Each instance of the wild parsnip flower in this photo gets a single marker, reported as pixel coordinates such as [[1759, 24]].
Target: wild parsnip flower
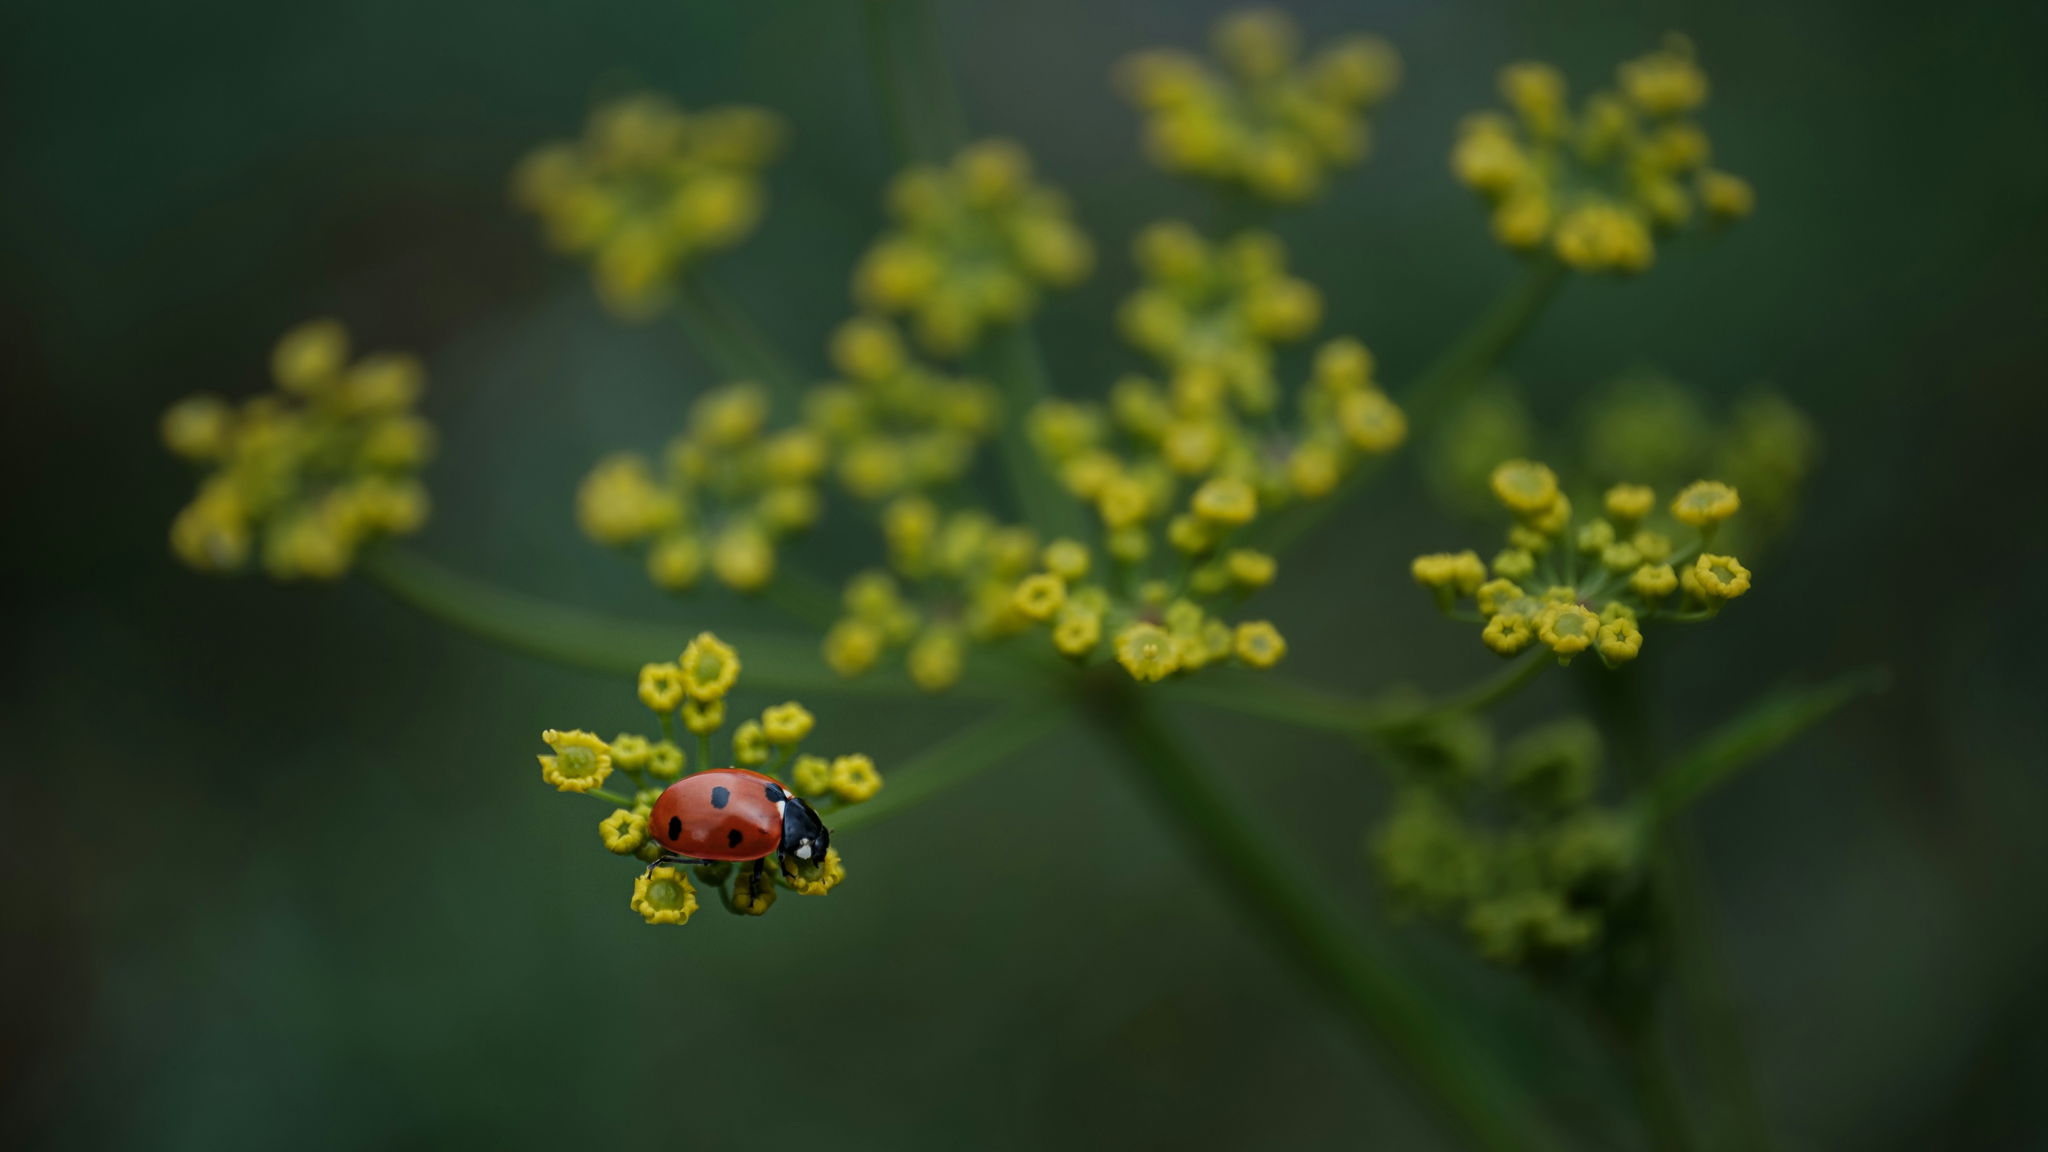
[[951, 584], [697, 686], [1601, 578], [1211, 315], [728, 490], [970, 247], [306, 476], [648, 190], [1597, 186], [664, 896], [894, 425], [581, 761], [1267, 123]]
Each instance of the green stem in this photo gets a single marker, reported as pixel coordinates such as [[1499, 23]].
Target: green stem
[[1272, 697], [1440, 387], [1286, 898], [1649, 1078], [1011, 357], [778, 662], [724, 335], [612, 798], [970, 752]]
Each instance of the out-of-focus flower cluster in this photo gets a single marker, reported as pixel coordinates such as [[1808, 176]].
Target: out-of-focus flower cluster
[[970, 247], [895, 425], [648, 189], [1176, 471], [1514, 851], [722, 495], [1268, 123], [1571, 585], [947, 586], [1648, 428], [688, 697], [1596, 187], [307, 475]]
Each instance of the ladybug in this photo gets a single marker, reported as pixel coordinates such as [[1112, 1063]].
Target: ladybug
[[731, 814]]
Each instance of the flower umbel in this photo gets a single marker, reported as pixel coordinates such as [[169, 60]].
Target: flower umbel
[[695, 688], [306, 476]]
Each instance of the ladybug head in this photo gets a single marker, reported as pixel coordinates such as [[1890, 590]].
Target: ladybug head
[[804, 836]]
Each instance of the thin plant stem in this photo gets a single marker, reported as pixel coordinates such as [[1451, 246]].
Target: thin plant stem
[[975, 749], [1011, 356], [725, 336], [608, 797], [1284, 897], [1650, 1082], [578, 638], [1313, 706], [1446, 382]]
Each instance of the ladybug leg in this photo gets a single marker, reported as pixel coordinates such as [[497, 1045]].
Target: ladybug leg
[[666, 860], [754, 881]]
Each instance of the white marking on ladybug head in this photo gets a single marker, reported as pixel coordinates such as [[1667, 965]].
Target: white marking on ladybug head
[[803, 849], [781, 807]]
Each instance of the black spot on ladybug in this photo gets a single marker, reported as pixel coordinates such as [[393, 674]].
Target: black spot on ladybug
[[774, 793], [719, 796], [732, 838], [675, 827]]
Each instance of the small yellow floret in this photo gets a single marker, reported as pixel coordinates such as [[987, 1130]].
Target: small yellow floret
[[1148, 652], [709, 667], [1525, 487], [1653, 581], [819, 878], [1567, 628], [787, 723], [1507, 633], [581, 761], [1720, 577], [1620, 640], [1258, 644], [661, 686], [623, 832], [664, 896], [1629, 503], [1039, 595], [1226, 500], [855, 779], [1705, 502]]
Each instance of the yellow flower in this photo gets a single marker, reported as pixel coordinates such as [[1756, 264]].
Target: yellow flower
[[1226, 500], [817, 879], [852, 646], [1620, 640], [854, 778], [1720, 577], [1726, 197], [1250, 569], [1525, 487], [675, 562], [935, 660], [1567, 628], [623, 832], [619, 502], [1494, 595], [1147, 652], [1458, 572], [664, 896], [811, 775], [630, 751], [1514, 564], [1039, 596], [750, 744], [1705, 502], [581, 761], [1373, 423], [1629, 503], [664, 760], [310, 357], [709, 667], [1507, 633], [743, 557], [1653, 581], [1066, 559], [198, 427], [1077, 632], [1667, 82], [1259, 644], [661, 686], [752, 893], [703, 717], [787, 723]]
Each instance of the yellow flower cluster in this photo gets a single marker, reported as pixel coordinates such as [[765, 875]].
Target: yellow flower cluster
[[688, 695], [895, 425], [972, 244], [1597, 186], [1152, 627], [727, 490], [1212, 314], [1573, 585], [648, 189], [308, 475], [948, 585], [1268, 123]]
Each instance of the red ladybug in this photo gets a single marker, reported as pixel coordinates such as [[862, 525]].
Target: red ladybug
[[733, 814]]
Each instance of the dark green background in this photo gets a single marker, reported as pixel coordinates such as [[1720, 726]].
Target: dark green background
[[279, 869]]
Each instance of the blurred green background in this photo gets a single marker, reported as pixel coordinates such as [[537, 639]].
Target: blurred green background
[[279, 869]]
